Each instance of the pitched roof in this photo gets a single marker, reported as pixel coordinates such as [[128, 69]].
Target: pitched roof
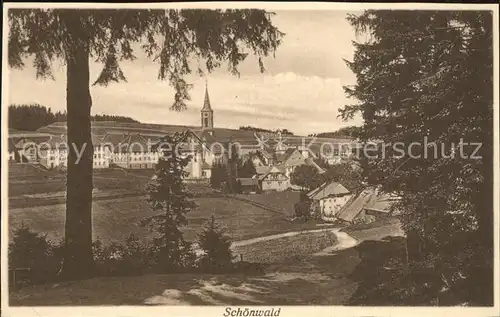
[[243, 137], [381, 203], [262, 169], [135, 143], [97, 139], [328, 189], [22, 143], [283, 157], [56, 141], [351, 210], [113, 138], [276, 169], [12, 145], [310, 161], [248, 181]]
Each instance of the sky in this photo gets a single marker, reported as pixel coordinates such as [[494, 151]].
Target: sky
[[301, 89]]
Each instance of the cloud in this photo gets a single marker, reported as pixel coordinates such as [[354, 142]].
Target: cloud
[[301, 89]]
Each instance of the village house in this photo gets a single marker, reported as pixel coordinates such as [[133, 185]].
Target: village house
[[27, 150], [291, 158], [256, 157], [370, 204], [381, 205], [249, 185], [273, 179], [24, 145], [328, 199]]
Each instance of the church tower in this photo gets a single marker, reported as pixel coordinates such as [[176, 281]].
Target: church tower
[[207, 114]]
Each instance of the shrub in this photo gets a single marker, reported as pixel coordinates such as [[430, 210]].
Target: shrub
[[302, 209], [216, 245], [33, 251], [129, 258]]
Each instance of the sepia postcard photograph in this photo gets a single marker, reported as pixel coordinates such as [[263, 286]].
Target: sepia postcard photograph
[[246, 159]]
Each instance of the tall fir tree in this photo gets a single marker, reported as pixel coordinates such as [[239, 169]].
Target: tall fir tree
[[247, 168], [172, 37], [429, 74], [216, 246], [218, 175], [168, 195]]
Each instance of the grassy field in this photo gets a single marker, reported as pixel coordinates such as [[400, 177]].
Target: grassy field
[[287, 249], [37, 198], [280, 201], [25, 179], [115, 219]]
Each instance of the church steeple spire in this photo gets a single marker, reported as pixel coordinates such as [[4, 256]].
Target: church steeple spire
[[206, 103], [207, 114]]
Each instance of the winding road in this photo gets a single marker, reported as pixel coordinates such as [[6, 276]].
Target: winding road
[[343, 239]]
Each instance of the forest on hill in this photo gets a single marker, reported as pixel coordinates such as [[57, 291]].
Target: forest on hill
[[256, 129], [350, 131], [34, 116]]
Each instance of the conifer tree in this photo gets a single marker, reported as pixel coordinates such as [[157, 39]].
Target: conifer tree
[[216, 245], [173, 38], [247, 169], [218, 175], [168, 195], [426, 77]]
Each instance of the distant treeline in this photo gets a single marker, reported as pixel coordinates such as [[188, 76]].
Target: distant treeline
[[352, 131], [255, 129], [34, 116]]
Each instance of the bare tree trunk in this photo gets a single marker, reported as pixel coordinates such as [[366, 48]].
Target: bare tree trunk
[[78, 258]]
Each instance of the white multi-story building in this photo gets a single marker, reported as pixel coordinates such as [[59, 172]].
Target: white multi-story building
[[102, 153], [131, 151], [54, 152]]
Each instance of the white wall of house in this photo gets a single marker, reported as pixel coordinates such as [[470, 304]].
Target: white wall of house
[[333, 160], [102, 156], [54, 158], [257, 161], [197, 163], [134, 160], [275, 181], [120, 159], [206, 173], [29, 153], [330, 206]]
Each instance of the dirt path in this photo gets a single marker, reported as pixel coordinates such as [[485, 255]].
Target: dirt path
[[344, 241], [246, 242], [279, 236]]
